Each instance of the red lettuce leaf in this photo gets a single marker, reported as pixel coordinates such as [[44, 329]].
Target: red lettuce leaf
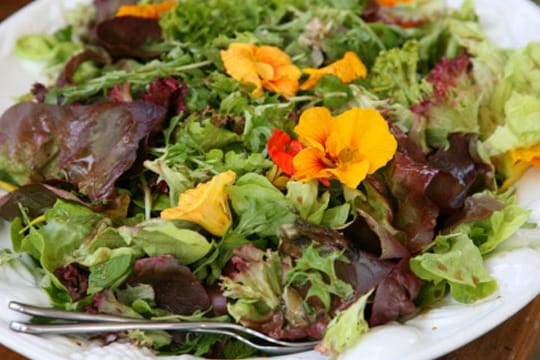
[[175, 287], [34, 198], [123, 36], [416, 214], [89, 146], [75, 278], [66, 76], [395, 295], [106, 9]]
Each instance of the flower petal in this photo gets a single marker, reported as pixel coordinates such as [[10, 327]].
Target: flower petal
[[351, 173], [239, 62], [367, 131], [314, 127], [206, 205], [309, 164], [347, 69]]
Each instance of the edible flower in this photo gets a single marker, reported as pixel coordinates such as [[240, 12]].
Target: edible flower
[[346, 147], [517, 161], [347, 69], [264, 67], [391, 3], [147, 11], [206, 205], [282, 149]]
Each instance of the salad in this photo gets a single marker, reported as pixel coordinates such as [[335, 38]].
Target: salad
[[306, 169]]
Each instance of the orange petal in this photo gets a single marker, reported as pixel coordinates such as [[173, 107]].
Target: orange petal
[[309, 164], [367, 131], [272, 55], [347, 69], [239, 62], [314, 127], [351, 173]]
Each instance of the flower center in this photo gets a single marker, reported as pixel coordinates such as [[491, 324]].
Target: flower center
[[264, 70]]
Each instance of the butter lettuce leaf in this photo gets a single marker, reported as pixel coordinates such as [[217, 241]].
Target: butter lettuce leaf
[[456, 260], [346, 329]]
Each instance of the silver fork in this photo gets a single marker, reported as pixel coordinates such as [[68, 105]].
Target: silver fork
[[95, 323]]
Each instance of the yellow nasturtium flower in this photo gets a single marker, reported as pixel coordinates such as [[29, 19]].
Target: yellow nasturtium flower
[[147, 11], [263, 67], [206, 205], [347, 69], [517, 161], [346, 147]]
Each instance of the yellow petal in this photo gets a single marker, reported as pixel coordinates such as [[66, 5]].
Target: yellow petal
[[206, 205], [240, 64], [351, 173], [367, 131], [314, 127], [309, 164], [347, 69]]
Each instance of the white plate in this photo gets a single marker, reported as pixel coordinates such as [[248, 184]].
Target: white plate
[[430, 335]]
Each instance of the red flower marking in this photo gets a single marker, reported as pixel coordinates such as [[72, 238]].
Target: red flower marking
[[282, 150]]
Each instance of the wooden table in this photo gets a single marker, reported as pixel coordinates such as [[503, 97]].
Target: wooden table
[[518, 338]]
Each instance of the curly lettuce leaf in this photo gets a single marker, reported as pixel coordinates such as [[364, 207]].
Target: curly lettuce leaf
[[318, 269], [255, 285], [394, 74]]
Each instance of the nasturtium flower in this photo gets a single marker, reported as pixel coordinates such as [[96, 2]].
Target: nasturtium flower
[[206, 205], [147, 11], [282, 149], [529, 155], [392, 3], [347, 69], [517, 161], [263, 67], [346, 147]]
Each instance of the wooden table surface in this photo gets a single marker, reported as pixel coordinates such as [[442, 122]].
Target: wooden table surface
[[518, 338]]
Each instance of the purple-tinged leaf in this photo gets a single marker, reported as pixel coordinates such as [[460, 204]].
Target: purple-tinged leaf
[[395, 295], [34, 198], [125, 35], [175, 287], [89, 146], [416, 213], [74, 277], [93, 54]]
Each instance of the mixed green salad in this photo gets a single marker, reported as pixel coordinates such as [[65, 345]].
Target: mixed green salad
[[309, 169]]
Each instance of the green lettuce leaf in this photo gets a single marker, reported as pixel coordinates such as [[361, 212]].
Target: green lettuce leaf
[[346, 329], [394, 74], [456, 260], [489, 233], [318, 269], [262, 209], [158, 237], [521, 127]]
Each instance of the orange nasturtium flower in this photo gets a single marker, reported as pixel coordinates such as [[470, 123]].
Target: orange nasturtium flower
[[264, 67], [206, 205], [518, 161], [147, 11], [391, 3], [282, 149], [346, 147], [347, 69]]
